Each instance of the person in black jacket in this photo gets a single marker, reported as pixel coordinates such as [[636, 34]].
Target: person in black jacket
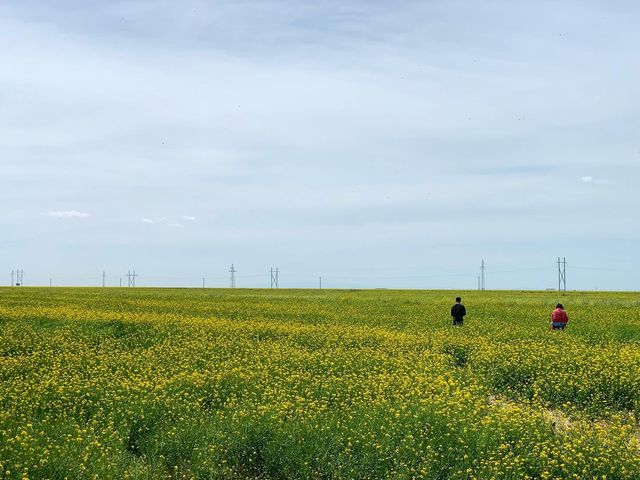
[[458, 312]]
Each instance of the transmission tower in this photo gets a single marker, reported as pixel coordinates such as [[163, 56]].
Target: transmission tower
[[104, 279], [19, 278], [232, 278], [132, 278], [320, 280], [274, 278], [562, 274], [483, 266]]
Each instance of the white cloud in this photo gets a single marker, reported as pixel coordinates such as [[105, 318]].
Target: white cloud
[[148, 220], [189, 218], [595, 181], [68, 214]]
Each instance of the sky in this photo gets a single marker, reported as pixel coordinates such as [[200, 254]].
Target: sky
[[375, 144]]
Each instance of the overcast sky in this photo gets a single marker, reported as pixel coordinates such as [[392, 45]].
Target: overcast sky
[[375, 143]]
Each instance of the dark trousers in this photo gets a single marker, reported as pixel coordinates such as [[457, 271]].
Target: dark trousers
[[457, 321]]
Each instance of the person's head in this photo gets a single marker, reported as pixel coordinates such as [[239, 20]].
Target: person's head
[[458, 299], [560, 306]]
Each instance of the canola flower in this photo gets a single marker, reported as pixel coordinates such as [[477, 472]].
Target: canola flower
[[119, 383]]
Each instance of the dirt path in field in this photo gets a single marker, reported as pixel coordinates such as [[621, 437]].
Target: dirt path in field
[[562, 423]]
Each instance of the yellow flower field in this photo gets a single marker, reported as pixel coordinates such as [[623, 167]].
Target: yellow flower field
[[164, 383]]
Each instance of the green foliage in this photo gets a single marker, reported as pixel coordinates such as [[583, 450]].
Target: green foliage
[[120, 383]]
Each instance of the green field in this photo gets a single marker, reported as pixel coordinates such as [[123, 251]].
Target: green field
[[165, 383]]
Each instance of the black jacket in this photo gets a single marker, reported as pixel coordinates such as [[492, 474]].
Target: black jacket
[[458, 311]]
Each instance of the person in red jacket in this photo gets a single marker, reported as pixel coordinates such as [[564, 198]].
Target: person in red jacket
[[559, 318]]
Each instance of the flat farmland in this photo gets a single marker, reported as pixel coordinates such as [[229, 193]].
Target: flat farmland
[[205, 383]]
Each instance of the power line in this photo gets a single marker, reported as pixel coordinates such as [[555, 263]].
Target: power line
[[193, 277], [316, 281], [514, 270], [577, 267], [394, 277]]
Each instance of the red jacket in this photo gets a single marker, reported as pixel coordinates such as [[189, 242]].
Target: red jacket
[[559, 316]]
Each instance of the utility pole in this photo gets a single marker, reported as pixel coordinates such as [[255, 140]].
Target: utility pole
[[202, 282], [104, 279], [478, 282], [562, 274], [120, 282], [320, 279], [12, 284], [482, 268], [50, 282], [274, 278], [132, 278], [232, 278]]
